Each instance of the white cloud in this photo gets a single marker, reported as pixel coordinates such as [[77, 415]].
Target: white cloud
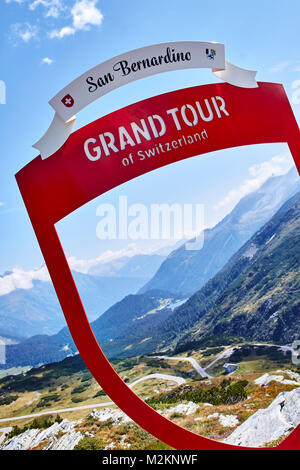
[[83, 265], [259, 173], [53, 12], [296, 93], [20, 279], [65, 31], [25, 31], [1, 203], [84, 14], [53, 7], [281, 66], [47, 60], [37, 3], [14, 1]]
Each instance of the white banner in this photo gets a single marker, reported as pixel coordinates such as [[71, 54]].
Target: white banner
[[129, 67]]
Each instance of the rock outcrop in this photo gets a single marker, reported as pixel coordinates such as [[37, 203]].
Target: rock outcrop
[[269, 424], [115, 415], [59, 436], [279, 376], [183, 408]]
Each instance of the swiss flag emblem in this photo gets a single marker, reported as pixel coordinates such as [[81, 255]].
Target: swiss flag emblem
[[68, 101]]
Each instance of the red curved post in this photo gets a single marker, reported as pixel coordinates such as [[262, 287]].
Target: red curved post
[[55, 187]]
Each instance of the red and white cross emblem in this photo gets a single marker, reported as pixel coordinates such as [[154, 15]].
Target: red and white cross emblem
[[68, 101]]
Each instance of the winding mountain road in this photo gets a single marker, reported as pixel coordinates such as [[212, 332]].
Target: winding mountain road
[[193, 363], [173, 378], [223, 355]]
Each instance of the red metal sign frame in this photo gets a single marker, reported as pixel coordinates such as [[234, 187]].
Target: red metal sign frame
[[55, 187]]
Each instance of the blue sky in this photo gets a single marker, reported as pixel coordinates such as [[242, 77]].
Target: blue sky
[[45, 44]]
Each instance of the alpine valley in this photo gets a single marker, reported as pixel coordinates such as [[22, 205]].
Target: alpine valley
[[208, 340], [243, 284]]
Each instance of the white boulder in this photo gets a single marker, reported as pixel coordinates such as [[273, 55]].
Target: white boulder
[[115, 415], [228, 421], [266, 379], [269, 424], [33, 437], [183, 408]]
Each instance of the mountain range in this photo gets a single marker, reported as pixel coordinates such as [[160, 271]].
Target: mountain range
[[133, 313], [138, 266], [28, 312], [186, 271], [254, 294]]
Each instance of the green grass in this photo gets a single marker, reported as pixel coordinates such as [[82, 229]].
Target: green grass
[[41, 422], [7, 400], [89, 443], [226, 393]]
